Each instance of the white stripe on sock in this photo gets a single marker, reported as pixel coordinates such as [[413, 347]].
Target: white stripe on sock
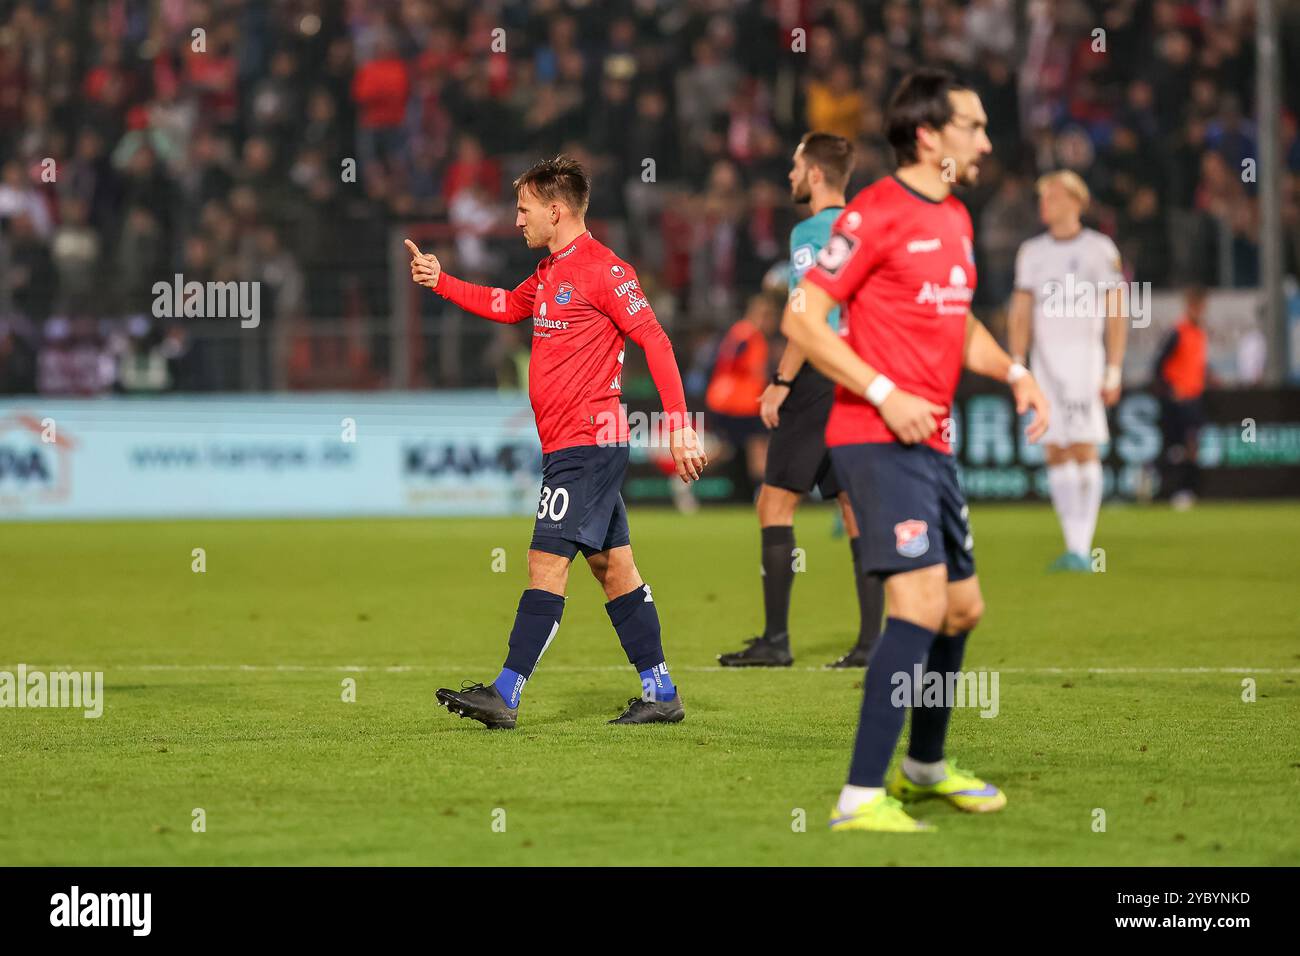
[[555, 627]]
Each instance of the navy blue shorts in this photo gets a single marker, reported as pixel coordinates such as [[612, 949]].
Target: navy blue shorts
[[909, 506], [581, 507]]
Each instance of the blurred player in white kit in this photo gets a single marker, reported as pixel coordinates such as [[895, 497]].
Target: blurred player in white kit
[[1069, 293]]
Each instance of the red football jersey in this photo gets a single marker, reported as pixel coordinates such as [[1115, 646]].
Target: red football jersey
[[583, 301], [904, 266]]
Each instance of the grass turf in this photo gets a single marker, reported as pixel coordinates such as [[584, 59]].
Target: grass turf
[[223, 692]]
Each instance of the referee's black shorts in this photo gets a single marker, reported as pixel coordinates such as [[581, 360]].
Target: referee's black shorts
[[797, 459]]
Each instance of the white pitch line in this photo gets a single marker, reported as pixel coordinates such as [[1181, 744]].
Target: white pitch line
[[577, 669]]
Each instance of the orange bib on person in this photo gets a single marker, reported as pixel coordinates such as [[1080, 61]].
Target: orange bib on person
[[740, 374], [1184, 370]]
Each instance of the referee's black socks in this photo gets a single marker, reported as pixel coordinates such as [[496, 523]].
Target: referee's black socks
[[871, 601], [778, 579]]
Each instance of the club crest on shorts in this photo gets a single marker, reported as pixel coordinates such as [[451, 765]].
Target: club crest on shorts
[[912, 538]]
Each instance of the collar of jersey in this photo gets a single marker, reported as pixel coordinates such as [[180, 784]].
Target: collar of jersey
[[571, 248], [919, 195]]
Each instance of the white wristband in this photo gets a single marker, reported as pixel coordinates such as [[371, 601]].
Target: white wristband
[[879, 390], [1016, 373], [1112, 379]]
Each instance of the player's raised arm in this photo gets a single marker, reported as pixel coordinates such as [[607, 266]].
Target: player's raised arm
[[985, 357], [499, 305]]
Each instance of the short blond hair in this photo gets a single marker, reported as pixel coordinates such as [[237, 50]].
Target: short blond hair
[[561, 178], [1072, 181]]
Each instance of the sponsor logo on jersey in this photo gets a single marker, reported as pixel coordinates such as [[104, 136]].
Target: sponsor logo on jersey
[[622, 289], [567, 252], [951, 299], [636, 302], [801, 260], [617, 271], [564, 293], [912, 538], [540, 321], [924, 245], [838, 251], [852, 220]]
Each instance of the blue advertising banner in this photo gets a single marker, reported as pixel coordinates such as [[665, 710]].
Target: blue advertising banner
[[269, 455], [476, 453]]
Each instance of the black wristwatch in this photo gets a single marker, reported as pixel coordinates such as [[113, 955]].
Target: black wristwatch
[[778, 380]]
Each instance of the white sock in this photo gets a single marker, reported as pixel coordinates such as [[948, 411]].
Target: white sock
[[1090, 481], [1063, 481], [852, 797], [926, 774]]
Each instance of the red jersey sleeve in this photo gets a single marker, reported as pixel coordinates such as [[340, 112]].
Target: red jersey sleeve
[[620, 297], [496, 304], [855, 248]]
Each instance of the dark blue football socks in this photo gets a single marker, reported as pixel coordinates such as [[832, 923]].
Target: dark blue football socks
[[637, 624], [900, 650], [536, 622], [930, 723]]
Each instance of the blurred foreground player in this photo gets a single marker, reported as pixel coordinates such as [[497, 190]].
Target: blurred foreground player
[[901, 259], [1069, 302], [584, 302], [795, 406]]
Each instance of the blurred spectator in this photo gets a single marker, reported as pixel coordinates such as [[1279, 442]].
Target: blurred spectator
[[76, 252], [31, 274], [471, 169], [20, 199], [835, 105], [1179, 379], [740, 373], [380, 90], [17, 362]]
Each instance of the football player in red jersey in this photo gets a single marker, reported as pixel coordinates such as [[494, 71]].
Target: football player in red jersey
[[584, 303], [901, 259]]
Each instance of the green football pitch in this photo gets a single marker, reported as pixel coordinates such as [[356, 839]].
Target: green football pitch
[[1146, 715]]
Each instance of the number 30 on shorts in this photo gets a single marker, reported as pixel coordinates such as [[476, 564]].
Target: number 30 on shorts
[[553, 504]]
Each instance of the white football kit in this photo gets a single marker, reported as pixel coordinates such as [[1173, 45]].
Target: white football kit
[[1069, 280]]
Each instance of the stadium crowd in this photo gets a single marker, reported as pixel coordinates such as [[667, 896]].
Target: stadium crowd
[[282, 142]]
